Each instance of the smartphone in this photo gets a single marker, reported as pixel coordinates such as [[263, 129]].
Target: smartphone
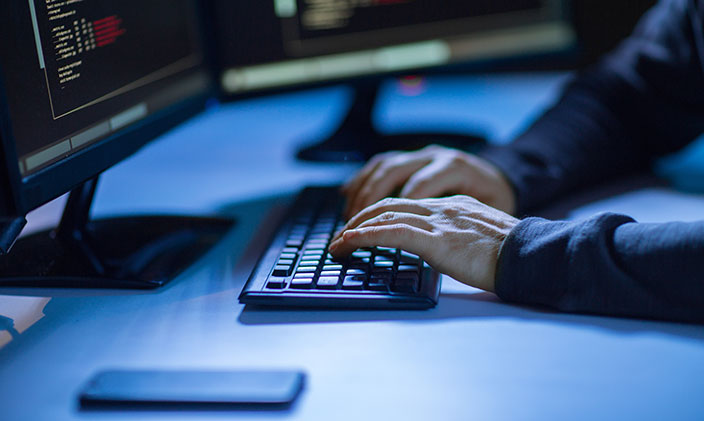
[[164, 389]]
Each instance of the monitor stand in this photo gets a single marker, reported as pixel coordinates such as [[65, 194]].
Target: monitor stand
[[134, 252], [358, 140]]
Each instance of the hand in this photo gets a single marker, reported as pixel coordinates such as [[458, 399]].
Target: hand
[[433, 171], [458, 236]]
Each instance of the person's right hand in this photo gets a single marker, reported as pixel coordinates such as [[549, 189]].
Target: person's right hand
[[433, 171]]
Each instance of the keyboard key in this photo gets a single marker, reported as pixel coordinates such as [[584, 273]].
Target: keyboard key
[[302, 283], [409, 258], [306, 269], [360, 254], [290, 250], [381, 277], [356, 272], [294, 243], [407, 268], [286, 262], [330, 273], [328, 282], [383, 264], [282, 270], [405, 283], [307, 275], [377, 286], [315, 247], [320, 236], [309, 263], [389, 250], [316, 257], [276, 284], [354, 282], [332, 267], [291, 256]]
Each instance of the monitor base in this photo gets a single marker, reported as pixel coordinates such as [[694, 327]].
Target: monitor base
[[132, 252], [358, 140]]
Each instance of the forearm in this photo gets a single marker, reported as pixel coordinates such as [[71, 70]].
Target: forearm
[[609, 265], [640, 102], [581, 141]]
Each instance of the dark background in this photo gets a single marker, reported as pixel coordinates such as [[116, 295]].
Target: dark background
[[601, 24]]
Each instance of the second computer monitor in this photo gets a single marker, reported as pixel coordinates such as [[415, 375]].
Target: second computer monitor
[[274, 44]]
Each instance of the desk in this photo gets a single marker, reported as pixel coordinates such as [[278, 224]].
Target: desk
[[472, 357]]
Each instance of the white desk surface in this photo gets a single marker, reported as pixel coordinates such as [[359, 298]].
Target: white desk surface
[[472, 357]]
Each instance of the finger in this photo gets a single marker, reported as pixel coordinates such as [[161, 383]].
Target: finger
[[386, 205], [353, 183], [351, 188], [394, 218], [386, 178], [433, 180], [397, 236]]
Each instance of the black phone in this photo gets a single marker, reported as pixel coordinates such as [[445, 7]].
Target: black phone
[[165, 389]]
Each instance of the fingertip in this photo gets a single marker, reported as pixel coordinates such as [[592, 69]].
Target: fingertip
[[338, 248], [333, 246]]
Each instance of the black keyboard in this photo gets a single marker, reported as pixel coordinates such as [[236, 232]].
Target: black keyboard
[[297, 270]]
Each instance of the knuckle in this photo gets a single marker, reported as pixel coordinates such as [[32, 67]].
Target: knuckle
[[378, 175], [450, 212], [376, 159], [456, 158]]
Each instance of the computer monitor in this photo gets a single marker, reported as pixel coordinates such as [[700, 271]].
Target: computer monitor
[[276, 45], [85, 84]]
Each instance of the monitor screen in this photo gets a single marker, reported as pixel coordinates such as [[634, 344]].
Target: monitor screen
[[78, 74], [280, 43]]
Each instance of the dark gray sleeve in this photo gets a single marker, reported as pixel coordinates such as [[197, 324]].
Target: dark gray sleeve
[[642, 101], [608, 264]]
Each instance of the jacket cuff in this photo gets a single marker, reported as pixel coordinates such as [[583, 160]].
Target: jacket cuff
[[533, 271]]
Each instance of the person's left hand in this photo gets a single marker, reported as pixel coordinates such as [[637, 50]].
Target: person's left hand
[[458, 236]]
